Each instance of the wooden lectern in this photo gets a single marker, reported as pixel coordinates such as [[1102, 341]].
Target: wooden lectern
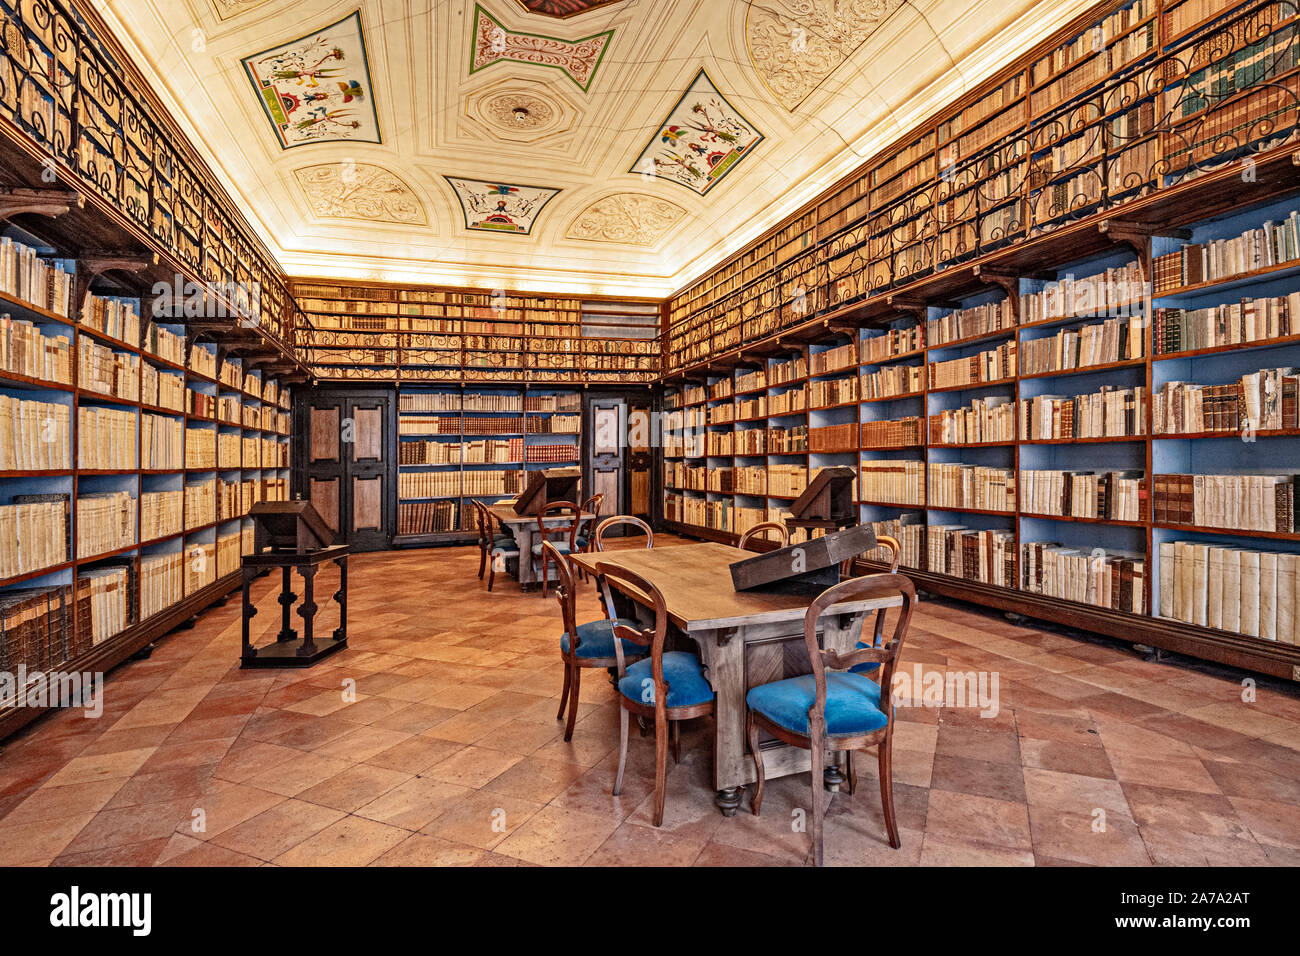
[[289, 535], [546, 486], [827, 502], [810, 567]]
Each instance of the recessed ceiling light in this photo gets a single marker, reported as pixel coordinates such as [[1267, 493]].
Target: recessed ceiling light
[[521, 114]]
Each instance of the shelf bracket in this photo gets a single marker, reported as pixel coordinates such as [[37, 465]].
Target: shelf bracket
[[1009, 282], [903, 304], [15, 200], [91, 265], [1138, 235]]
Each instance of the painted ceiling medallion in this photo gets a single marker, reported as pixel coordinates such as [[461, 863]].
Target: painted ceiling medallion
[[577, 59], [500, 207], [796, 44], [561, 9], [628, 218], [702, 139], [317, 89], [350, 190]]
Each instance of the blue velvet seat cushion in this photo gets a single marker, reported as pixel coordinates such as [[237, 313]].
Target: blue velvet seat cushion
[[596, 639], [503, 539], [509, 550], [852, 703], [687, 685], [580, 542], [561, 546], [866, 667]]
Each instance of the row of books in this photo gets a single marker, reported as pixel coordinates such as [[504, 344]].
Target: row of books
[[1103, 343], [894, 342], [37, 631], [113, 317], [984, 556], [109, 598], [899, 481], [551, 453], [105, 522], [33, 534], [977, 487], [1240, 502], [1113, 495], [834, 391], [888, 382], [24, 275], [161, 442], [969, 323], [162, 582], [990, 419], [25, 349], [1101, 577], [1263, 400], [909, 531], [101, 370], [427, 517], [1271, 244], [34, 435], [161, 514], [1111, 412], [1238, 590], [1118, 291], [105, 438], [558, 424], [898, 433], [200, 503], [162, 389], [991, 366], [832, 360], [1231, 323]]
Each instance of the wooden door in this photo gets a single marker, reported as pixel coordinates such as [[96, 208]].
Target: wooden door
[[347, 468], [604, 472], [640, 458]]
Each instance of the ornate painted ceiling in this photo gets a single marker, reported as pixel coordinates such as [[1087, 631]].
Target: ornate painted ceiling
[[583, 146]]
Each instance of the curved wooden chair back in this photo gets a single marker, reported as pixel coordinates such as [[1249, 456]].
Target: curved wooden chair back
[[882, 541], [603, 528], [653, 638], [761, 530], [564, 592], [591, 508], [856, 589], [554, 508]]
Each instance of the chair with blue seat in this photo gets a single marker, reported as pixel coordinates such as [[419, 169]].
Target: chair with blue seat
[[833, 708], [603, 529], [488, 541], [666, 687], [581, 645], [561, 537], [892, 548]]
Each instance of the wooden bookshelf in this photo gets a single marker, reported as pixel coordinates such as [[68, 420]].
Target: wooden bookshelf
[[391, 333]]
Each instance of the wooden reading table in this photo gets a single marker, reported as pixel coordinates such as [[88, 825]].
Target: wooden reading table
[[524, 529], [745, 638]]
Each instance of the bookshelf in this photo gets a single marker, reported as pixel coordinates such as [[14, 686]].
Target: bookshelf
[[1091, 419], [466, 442], [388, 333], [133, 444]]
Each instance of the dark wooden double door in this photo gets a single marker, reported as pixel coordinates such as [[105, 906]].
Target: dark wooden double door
[[347, 469]]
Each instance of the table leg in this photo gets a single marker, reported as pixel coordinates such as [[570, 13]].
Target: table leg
[[525, 538], [286, 599], [249, 611], [728, 800], [307, 611]]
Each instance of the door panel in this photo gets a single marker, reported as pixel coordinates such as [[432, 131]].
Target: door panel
[[605, 465], [349, 472]]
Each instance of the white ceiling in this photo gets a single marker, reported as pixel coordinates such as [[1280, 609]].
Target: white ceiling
[[825, 83]]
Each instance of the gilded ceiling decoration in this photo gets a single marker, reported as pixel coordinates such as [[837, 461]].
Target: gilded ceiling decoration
[[225, 9], [500, 207], [629, 218], [317, 88], [522, 112], [796, 44], [577, 59], [562, 8], [701, 140], [359, 191]]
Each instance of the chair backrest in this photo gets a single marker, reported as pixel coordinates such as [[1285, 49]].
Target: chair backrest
[[590, 508], [858, 589], [882, 541], [647, 637], [483, 522], [760, 530], [554, 508], [564, 591], [603, 528]]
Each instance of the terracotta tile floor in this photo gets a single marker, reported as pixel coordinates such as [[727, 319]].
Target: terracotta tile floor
[[447, 752]]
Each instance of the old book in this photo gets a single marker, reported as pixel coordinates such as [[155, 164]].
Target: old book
[[1184, 581], [1214, 589], [1232, 590], [1166, 579], [1200, 560], [1268, 595], [1249, 593], [1286, 597]]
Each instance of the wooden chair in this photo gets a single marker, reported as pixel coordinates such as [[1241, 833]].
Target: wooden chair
[[760, 530], [483, 524], [666, 687], [603, 528], [833, 708], [545, 534], [586, 525], [502, 547], [581, 645]]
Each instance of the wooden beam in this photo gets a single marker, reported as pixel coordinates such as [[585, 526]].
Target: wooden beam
[[16, 200]]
